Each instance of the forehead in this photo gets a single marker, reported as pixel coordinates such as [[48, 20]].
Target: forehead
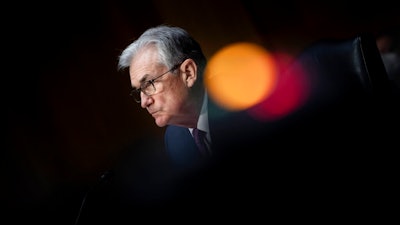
[[144, 63]]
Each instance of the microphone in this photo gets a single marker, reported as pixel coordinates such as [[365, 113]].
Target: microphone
[[104, 178]]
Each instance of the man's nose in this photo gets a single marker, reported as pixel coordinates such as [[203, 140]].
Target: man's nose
[[145, 100]]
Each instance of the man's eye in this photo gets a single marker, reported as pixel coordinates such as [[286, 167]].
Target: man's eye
[[146, 84]]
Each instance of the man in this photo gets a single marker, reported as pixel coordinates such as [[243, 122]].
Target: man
[[166, 68]]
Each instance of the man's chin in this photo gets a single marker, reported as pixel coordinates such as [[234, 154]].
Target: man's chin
[[160, 123]]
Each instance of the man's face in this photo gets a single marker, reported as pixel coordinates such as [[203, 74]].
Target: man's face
[[169, 102]]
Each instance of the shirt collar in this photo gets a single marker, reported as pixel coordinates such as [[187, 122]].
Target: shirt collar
[[202, 122]]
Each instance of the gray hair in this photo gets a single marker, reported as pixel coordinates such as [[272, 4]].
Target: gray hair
[[174, 45]]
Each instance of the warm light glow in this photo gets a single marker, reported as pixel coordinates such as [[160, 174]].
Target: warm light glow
[[240, 76], [291, 92]]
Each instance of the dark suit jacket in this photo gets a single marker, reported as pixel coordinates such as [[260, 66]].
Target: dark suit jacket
[[180, 147]]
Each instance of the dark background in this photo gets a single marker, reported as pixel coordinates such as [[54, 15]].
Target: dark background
[[67, 113]]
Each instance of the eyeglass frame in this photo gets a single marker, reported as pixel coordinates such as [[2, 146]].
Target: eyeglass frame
[[146, 84]]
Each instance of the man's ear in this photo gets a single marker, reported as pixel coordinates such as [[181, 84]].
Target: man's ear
[[189, 70]]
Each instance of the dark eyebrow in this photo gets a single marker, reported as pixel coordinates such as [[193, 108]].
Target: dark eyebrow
[[141, 81], [144, 78]]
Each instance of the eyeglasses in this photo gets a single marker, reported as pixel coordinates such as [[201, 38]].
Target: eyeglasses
[[148, 87]]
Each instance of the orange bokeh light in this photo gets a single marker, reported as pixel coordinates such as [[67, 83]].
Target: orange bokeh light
[[240, 75]]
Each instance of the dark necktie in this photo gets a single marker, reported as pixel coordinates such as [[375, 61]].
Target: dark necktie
[[200, 139]]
